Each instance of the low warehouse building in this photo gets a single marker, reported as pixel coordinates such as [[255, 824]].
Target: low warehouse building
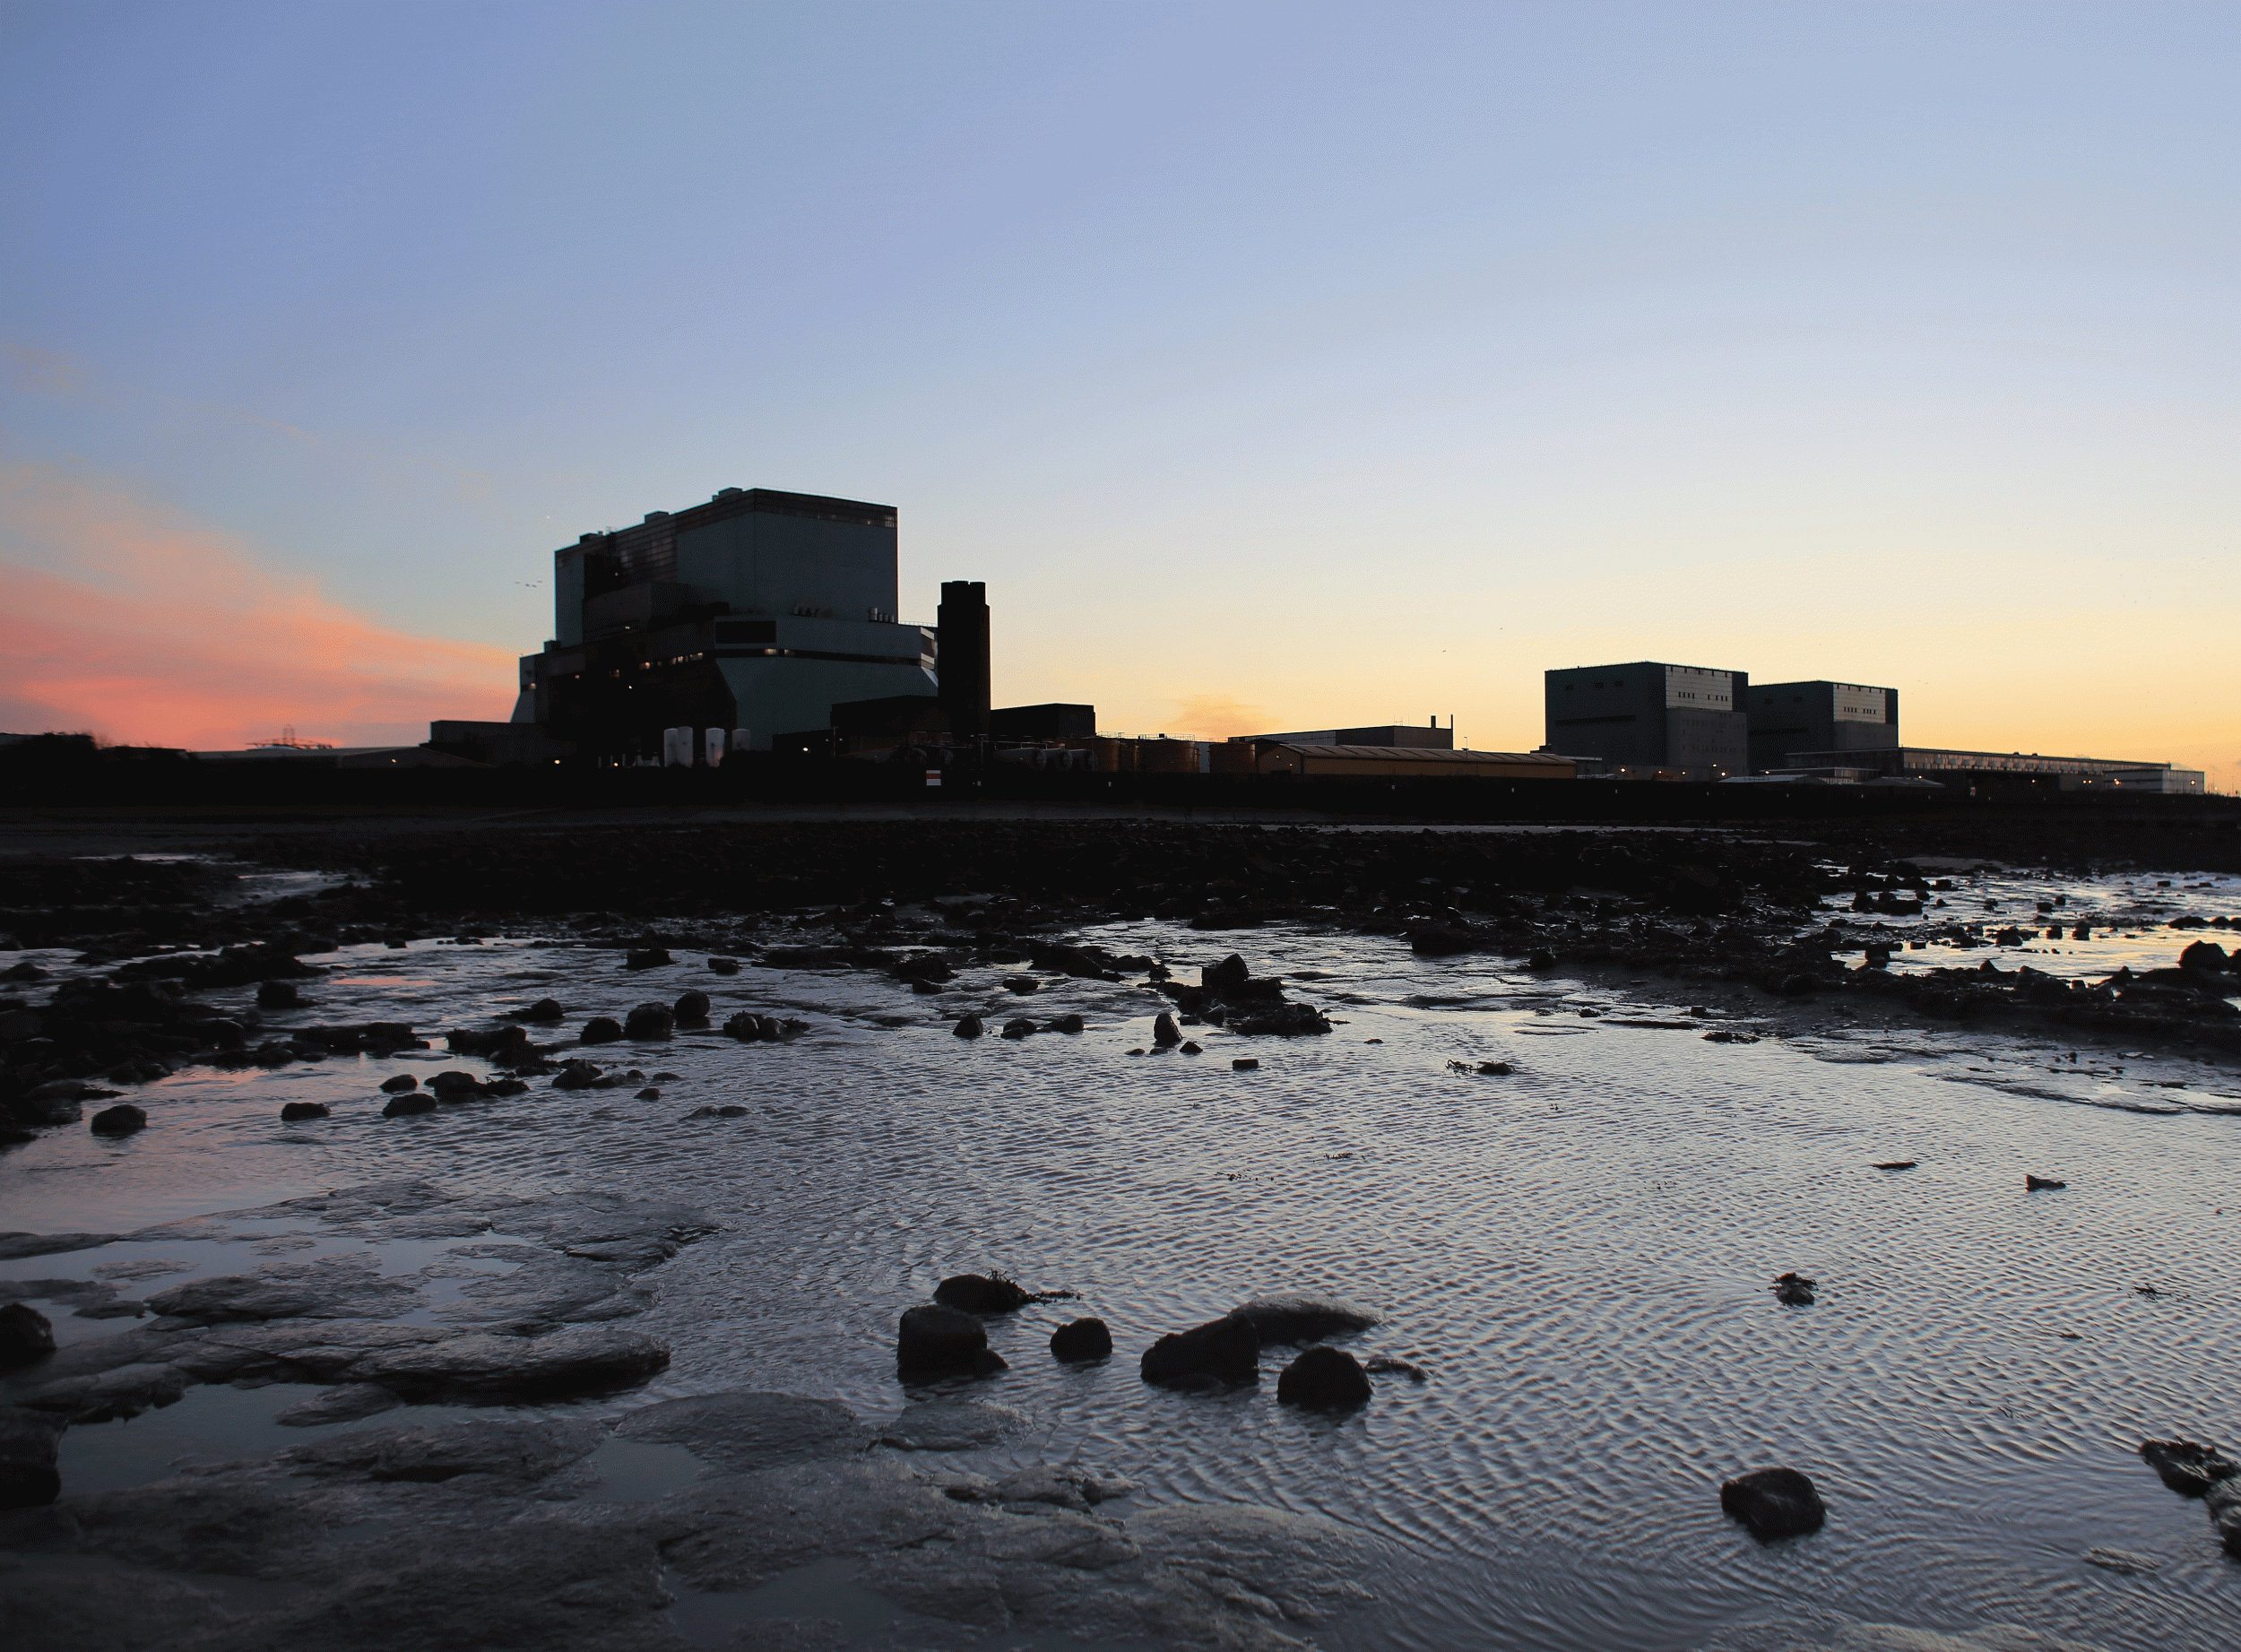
[[1412, 763]]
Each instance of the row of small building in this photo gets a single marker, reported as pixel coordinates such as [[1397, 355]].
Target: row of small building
[[767, 621]]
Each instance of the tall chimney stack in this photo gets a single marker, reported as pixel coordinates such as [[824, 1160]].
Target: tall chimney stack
[[963, 621]]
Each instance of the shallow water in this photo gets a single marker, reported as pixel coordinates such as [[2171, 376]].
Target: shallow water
[[1578, 1253]]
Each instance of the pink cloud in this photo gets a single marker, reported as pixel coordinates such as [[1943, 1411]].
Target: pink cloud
[[144, 627]]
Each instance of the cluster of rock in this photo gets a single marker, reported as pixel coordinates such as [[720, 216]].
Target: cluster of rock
[[947, 1338], [2196, 1470]]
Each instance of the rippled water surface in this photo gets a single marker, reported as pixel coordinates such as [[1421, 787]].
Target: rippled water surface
[[1578, 1253]]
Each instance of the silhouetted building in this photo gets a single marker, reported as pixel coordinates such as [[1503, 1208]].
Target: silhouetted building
[[1318, 760], [963, 621], [1686, 719], [1818, 716], [1052, 722], [758, 611], [1430, 738], [1962, 767]]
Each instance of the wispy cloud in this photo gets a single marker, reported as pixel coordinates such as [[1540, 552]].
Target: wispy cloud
[[143, 626], [1216, 716]]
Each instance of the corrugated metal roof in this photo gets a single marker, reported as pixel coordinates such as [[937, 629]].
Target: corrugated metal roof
[[1427, 754]]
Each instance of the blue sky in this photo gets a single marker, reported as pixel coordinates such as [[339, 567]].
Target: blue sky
[[1275, 364]]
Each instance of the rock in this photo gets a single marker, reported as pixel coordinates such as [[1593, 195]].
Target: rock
[[2188, 1468], [1081, 1340], [1068, 1024], [2122, 1562], [2205, 955], [1324, 1379], [544, 1009], [954, 1425], [1494, 1070], [649, 1021], [347, 1403], [15, 1245], [1245, 1064], [728, 1111], [1297, 1317], [576, 1360], [1164, 1032], [1022, 985], [1385, 1364], [725, 966], [345, 1287], [26, 1338], [983, 1293], [1282, 1021], [1190, 1046], [968, 1026], [742, 1431], [403, 1106], [649, 957], [1794, 1290], [1774, 1503], [691, 1008], [1893, 1164], [2033, 1184], [647, 1095], [400, 1084], [601, 1030], [933, 1341], [1224, 1353], [1542, 960], [293, 1113], [1019, 1028], [454, 1086], [510, 1451], [280, 995], [121, 1120]]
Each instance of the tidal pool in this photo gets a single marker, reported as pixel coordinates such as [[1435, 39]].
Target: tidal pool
[[1577, 1253]]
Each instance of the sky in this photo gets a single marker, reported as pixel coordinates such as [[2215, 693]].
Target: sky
[[1277, 366]]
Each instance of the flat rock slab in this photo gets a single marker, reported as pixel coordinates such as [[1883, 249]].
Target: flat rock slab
[[740, 1530], [331, 1288], [744, 1432], [511, 1449], [954, 1425], [1299, 1316]]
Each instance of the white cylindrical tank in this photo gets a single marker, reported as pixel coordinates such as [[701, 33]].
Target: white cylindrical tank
[[711, 742], [742, 740], [677, 747]]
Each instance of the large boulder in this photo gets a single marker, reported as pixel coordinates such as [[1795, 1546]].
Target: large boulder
[[1223, 1353], [1774, 1503], [1283, 1021], [649, 1021], [121, 1120], [934, 1341], [26, 1337], [2188, 1468], [1324, 1379]]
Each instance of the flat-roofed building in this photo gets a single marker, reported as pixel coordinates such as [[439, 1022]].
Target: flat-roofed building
[[1432, 736], [1817, 716], [1650, 715], [1941, 764], [1316, 761]]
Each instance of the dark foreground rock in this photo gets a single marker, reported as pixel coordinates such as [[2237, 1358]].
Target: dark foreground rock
[[1082, 1339], [1324, 1379], [1296, 1315], [1774, 1503], [933, 1341], [25, 1336], [2187, 1466], [1223, 1353], [983, 1293]]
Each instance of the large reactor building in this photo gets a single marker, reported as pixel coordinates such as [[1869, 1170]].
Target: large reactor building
[[756, 612]]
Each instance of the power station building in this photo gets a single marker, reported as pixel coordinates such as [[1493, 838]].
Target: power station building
[[756, 612], [1789, 720], [1680, 721]]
